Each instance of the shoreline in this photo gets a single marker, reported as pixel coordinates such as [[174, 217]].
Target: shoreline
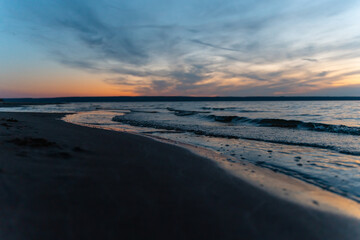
[[314, 193], [276, 183], [287, 187], [174, 193]]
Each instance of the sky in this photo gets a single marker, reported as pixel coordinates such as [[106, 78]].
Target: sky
[[62, 48]]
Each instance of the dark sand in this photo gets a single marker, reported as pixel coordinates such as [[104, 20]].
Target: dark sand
[[61, 181]]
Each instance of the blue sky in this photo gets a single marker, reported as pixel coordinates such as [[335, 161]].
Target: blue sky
[[158, 47]]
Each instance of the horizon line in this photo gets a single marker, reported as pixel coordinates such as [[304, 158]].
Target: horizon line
[[177, 98]]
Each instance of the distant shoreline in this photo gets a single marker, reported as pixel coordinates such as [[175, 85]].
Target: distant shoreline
[[173, 99]]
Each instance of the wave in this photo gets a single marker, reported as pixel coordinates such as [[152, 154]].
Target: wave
[[196, 130], [308, 115], [178, 112], [283, 123], [141, 111], [227, 119], [230, 109], [218, 109], [308, 178]]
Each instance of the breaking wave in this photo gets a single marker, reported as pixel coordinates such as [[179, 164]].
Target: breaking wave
[[178, 112], [204, 132], [283, 123]]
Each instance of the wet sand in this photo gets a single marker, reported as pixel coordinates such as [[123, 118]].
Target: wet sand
[[62, 181]]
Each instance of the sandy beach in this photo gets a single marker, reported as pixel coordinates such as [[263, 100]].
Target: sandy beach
[[63, 181]]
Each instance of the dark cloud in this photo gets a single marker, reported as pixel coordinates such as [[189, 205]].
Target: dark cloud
[[310, 59], [322, 74]]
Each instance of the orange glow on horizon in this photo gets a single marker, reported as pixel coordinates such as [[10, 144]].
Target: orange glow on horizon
[[82, 84]]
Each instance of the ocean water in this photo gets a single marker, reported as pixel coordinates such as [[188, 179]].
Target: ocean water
[[316, 141]]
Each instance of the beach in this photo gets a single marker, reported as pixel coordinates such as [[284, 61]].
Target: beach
[[64, 181]]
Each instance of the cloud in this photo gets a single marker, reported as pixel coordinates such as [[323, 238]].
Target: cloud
[[197, 47], [322, 74], [214, 46], [310, 59]]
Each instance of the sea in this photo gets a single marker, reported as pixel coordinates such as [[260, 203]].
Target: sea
[[315, 141]]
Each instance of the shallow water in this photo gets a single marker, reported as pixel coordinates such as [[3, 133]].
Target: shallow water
[[318, 142]]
